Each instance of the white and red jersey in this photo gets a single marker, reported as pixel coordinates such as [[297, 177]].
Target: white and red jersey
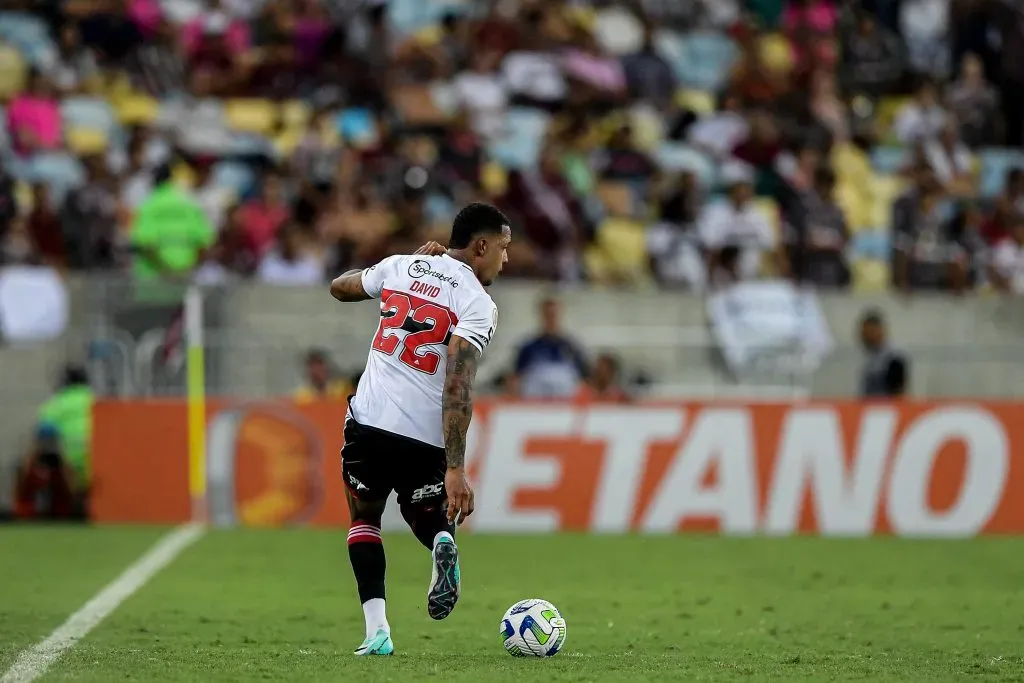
[[424, 300]]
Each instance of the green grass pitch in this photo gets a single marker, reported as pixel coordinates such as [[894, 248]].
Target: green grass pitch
[[281, 606]]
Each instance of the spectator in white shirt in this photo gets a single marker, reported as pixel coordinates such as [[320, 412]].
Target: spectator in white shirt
[[289, 264], [951, 160], [922, 118], [734, 233], [213, 199], [1006, 269], [483, 94]]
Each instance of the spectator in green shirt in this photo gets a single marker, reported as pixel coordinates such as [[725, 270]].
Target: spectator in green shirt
[[69, 412], [170, 232]]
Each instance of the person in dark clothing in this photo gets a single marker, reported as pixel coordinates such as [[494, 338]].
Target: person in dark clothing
[[886, 372]]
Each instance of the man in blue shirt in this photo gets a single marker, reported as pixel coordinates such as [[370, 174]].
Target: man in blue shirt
[[550, 365]]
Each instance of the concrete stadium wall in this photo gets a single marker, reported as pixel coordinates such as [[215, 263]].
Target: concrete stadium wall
[[970, 346]]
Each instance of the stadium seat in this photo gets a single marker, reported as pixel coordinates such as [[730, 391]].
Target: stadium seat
[[136, 110], [30, 35], [776, 53], [619, 251], [701, 59], [13, 72], [871, 244], [234, 175], [524, 133], [86, 141], [251, 116], [648, 127], [699, 102], [618, 31], [769, 208], [674, 156], [995, 163], [60, 171], [357, 125], [88, 112], [889, 159], [494, 179], [296, 114], [886, 190], [886, 111], [870, 275], [855, 203]]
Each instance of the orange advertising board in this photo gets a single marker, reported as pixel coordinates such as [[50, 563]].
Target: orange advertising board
[[834, 468]]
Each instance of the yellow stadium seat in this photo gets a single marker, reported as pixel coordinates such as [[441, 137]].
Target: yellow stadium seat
[[885, 191], [850, 164], [23, 196], [13, 72], [619, 252], [251, 116], [856, 205], [86, 141], [869, 275], [135, 110], [886, 111], [769, 208], [296, 114], [494, 179], [776, 53], [287, 141], [697, 101]]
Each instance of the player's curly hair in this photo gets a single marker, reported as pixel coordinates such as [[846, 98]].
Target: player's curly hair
[[476, 219]]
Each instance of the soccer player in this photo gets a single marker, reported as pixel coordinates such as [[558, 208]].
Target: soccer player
[[406, 426]]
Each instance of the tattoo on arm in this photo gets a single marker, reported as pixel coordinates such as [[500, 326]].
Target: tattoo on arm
[[457, 399], [349, 287]]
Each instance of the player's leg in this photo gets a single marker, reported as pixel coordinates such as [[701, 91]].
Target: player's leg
[[422, 502], [366, 490]]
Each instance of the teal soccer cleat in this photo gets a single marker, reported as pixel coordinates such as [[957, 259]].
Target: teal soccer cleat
[[379, 644]]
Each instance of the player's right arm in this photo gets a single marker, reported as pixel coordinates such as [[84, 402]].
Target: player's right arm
[[456, 414], [349, 287], [360, 285]]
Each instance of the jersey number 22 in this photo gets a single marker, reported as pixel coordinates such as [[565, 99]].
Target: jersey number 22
[[427, 323]]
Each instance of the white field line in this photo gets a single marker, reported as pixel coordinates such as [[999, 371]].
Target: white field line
[[34, 662]]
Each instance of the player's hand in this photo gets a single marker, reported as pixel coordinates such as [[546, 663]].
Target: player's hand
[[430, 249], [460, 495]]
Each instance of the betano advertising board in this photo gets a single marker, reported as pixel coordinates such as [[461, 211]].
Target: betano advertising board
[[831, 468]]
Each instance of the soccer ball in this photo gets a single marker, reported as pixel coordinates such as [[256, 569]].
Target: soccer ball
[[533, 628]]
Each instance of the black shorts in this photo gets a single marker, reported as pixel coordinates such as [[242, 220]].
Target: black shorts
[[374, 463]]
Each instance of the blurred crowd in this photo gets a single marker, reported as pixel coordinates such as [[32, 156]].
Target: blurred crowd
[[851, 143]]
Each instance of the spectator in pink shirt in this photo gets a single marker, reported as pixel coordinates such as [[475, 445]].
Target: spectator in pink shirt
[[806, 23], [33, 117], [146, 16], [262, 216]]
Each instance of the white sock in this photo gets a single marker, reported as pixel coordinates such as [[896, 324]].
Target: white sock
[[373, 611], [443, 536]]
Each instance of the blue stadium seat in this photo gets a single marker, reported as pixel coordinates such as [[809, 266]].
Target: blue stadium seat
[[93, 113], [675, 156], [29, 34], [871, 244], [701, 59], [995, 164], [235, 175], [409, 16], [889, 160], [520, 146], [62, 172]]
